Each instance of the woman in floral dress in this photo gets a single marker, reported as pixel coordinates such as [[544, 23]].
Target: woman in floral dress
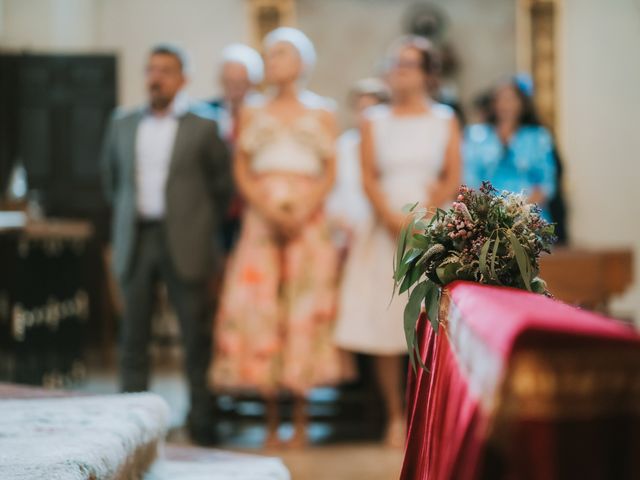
[[273, 331]]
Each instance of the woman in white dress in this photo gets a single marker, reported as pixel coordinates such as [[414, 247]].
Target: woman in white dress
[[410, 152]]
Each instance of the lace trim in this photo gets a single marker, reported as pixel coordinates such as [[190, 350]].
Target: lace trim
[[307, 130]]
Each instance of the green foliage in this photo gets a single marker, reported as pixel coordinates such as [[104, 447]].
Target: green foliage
[[486, 237]]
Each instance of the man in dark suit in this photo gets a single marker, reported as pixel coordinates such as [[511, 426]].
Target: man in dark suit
[[167, 174]]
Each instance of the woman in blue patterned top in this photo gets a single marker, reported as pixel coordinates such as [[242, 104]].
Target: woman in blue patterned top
[[512, 150]]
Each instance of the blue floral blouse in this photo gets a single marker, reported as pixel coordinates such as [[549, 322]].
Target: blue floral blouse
[[526, 163]]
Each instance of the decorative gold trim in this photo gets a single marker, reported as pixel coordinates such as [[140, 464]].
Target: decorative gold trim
[[572, 383], [267, 15], [536, 53]]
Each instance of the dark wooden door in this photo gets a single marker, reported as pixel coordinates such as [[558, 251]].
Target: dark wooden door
[[64, 103], [61, 106], [8, 124]]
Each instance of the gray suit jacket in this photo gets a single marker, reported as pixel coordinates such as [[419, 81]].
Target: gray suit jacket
[[198, 188]]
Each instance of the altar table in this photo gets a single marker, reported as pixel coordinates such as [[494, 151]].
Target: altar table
[[521, 386], [47, 298]]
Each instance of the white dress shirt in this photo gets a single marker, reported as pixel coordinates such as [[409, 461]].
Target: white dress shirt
[[154, 147]]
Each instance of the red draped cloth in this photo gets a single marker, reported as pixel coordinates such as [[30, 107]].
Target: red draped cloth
[[522, 387]]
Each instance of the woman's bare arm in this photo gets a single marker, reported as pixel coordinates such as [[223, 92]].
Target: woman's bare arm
[[243, 176], [445, 189], [370, 177], [325, 183]]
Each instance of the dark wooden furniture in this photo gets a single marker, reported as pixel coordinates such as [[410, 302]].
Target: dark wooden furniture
[[53, 110], [50, 299]]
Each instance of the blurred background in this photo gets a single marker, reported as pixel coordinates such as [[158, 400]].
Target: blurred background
[[65, 64]]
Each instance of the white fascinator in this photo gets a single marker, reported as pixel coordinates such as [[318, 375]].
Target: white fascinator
[[246, 56], [298, 40]]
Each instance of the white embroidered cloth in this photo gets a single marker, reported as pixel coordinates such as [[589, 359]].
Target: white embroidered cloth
[[248, 468], [80, 438]]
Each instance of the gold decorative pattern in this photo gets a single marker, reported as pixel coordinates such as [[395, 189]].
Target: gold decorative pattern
[[536, 25], [50, 314], [267, 15], [572, 382]]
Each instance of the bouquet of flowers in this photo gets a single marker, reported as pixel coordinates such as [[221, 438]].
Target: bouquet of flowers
[[486, 236]]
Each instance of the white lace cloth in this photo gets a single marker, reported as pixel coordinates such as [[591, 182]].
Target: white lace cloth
[[274, 146], [78, 438], [233, 467]]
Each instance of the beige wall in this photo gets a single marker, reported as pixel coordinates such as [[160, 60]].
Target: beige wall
[[128, 28], [599, 127], [48, 24], [350, 35], [203, 27]]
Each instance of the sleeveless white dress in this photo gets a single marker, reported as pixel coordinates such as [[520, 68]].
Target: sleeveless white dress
[[409, 154]]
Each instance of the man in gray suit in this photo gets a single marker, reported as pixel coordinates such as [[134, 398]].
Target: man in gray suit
[[167, 175]]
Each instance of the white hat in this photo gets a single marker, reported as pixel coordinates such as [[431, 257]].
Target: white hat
[[246, 56], [300, 42]]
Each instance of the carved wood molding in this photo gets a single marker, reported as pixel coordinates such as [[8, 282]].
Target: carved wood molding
[[537, 25], [267, 15]]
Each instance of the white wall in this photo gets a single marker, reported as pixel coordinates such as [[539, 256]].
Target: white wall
[[600, 127], [203, 27], [128, 28], [49, 24], [351, 36]]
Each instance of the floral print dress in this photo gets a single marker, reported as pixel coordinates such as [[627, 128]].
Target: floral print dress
[[274, 327]]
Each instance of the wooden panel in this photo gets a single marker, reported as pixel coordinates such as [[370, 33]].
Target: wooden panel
[[587, 277], [267, 15], [85, 133], [64, 102], [34, 143], [543, 59], [8, 113]]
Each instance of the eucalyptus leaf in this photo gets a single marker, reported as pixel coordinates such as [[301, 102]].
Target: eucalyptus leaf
[[411, 277], [412, 312], [409, 207], [414, 354], [447, 272], [494, 256], [403, 267], [402, 243], [432, 304], [420, 241], [522, 259], [538, 285], [484, 252], [397, 259], [421, 225], [411, 255], [418, 356]]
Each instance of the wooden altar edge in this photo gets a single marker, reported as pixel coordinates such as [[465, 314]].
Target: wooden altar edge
[[573, 376], [48, 228], [473, 416], [588, 277]]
